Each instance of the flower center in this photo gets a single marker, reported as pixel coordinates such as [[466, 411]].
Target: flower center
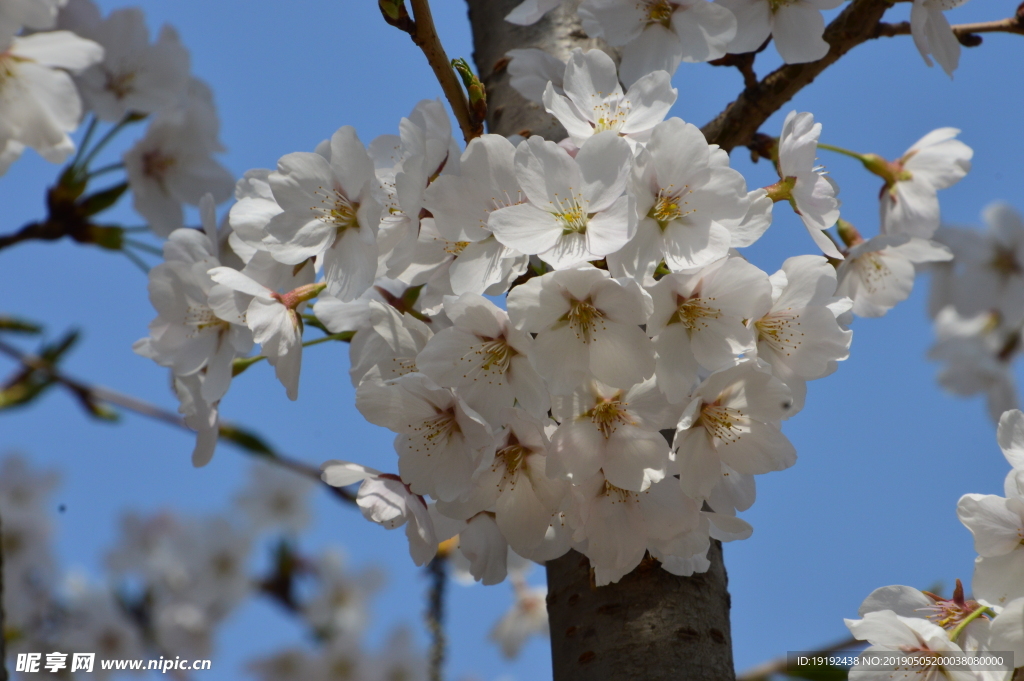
[[660, 12], [776, 5], [497, 354], [572, 214], [1005, 262], [120, 85], [618, 494], [155, 165], [608, 414], [670, 205], [725, 423], [873, 271], [337, 209], [455, 247], [691, 312], [201, 318], [438, 429], [583, 317], [777, 330]]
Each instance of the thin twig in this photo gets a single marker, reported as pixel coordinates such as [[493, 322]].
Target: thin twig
[[438, 570], [961, 31], [424, 34], [766, 670], [97, 393], [3, 643]]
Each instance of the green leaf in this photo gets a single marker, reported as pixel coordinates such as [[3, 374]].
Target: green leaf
[[102, 200], [16, 325], [247, 440]]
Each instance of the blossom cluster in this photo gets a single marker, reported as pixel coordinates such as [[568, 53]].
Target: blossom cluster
[[171, 581], [926, 625], [623, 396], [661, 34], [977, 302]]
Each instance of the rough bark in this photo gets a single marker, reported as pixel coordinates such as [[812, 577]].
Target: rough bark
[[651, 625], [558, 33]]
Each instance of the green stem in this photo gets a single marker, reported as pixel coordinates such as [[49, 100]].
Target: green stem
[[105, 169], [242, 363], [840, 150], [983, 610], [127, 120], [93, 121], [142, 246]]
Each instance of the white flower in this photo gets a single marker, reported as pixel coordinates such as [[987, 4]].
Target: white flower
[[173, 164], [485, 547], [979, 353], [339, 606], [527, 617], [932, 33], [812, 193], [614, 431], [390, 343], [887, 631], [276, 498], [1011, 437], [907, 601], [800, 337], [691, 204], [613, 527], [587, 324], [442, 444], [531, 69], [328, 213], [988, 268], [879, 273], [698, 319], [384, 499], [517, 486], [39, 104], [273, 318], [732, 419], [796, 27], [35, 14], [1007, 629], [485, 358], [187, 336], [593, 101], [200, 415], [577, 208], [530, 11], [909, 204], [461, 205], [656, 35], [134, 76]]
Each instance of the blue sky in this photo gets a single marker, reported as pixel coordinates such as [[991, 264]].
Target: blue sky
[[884, 454]]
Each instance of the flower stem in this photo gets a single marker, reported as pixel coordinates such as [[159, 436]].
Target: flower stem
[[983, 610], [840, 150]]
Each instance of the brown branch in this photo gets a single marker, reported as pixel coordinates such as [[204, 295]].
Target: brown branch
[[423, 32], [766, 670], [967, 34], [738, 123], [91, 394], [437, 569]]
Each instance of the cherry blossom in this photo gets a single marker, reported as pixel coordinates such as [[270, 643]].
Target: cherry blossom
[[577, 209], [733, 419], [531, 69], [879, 273], [384, 499], [656, 35], [698, 320], [485, 358], [887, 631], [909, 203], [811, 192], [593, 101], [442, 444], [39, 104], [134, 76], [796, 28], [690, 202], [587, 324], [612, 430], [932, 34]]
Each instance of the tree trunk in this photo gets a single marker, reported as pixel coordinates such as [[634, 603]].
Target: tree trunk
[[651, 625], [558, 33]]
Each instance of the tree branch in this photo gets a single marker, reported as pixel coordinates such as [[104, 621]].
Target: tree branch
[[965, 33], [738, 123], [438, 570], [766, 670], [241, 438], [423, 32]]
